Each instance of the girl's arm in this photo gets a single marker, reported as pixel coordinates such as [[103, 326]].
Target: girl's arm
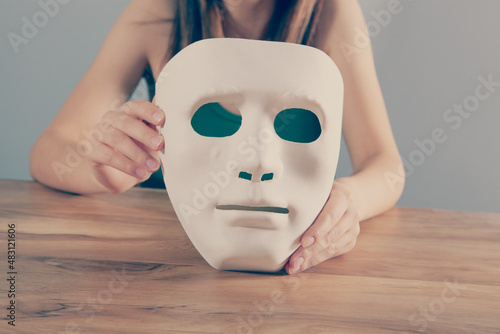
[[372, 188], [97, 142], [366, 127]]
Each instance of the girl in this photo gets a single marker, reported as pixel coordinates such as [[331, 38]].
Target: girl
[[120, 136]]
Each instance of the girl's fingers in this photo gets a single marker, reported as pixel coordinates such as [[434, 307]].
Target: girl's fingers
[[127, 147], [127, 136], [347, 222], [339, 240], [105, 155], [332, 234], [331, 214], [342, 246], [305, 258], [126, 140], [144, 110], [135, 129]]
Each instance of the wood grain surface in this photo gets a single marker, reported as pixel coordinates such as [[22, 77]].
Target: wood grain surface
[[123, 264]]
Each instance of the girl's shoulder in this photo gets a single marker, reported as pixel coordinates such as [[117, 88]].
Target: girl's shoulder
[[341, 23], [150, 22]]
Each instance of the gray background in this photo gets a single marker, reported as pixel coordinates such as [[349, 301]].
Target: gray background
[[429, 57]]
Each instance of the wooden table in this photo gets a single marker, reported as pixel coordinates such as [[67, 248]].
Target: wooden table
[[122, 264]]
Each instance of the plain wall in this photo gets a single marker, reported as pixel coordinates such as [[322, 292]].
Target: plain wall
[[429, 55]]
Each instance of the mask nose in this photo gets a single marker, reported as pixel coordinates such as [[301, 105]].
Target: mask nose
[[263, 166], [250, 177]]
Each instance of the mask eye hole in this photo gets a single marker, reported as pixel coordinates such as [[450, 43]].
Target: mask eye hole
[[297, 125], [214, 120]]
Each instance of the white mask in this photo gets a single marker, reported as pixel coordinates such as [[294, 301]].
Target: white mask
[[243, 182]]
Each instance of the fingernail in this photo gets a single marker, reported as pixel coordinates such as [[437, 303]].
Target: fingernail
[[298, 263], [156, 141], [140, 172], [152, 164], [309, 241], [157, 116]]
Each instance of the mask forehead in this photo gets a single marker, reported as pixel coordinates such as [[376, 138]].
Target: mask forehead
[[277, 71]]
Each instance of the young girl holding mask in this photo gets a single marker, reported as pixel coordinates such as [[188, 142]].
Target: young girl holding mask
[[124, 141]]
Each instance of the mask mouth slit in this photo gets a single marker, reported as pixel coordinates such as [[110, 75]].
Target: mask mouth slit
[[272, 209]]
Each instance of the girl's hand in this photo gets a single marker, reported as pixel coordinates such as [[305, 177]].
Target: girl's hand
[[333, 233], [125, 145]]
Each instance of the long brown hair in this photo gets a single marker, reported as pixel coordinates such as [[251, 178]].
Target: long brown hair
[[293, 21]]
